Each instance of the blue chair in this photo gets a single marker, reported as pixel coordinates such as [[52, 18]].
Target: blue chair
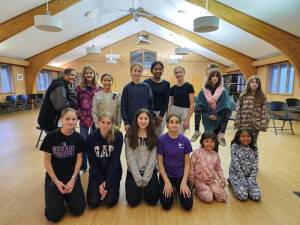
[[279, 111], [10, 102], [22, 102]]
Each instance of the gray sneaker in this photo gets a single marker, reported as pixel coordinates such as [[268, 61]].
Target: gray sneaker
[[195, 136], [222, 141]]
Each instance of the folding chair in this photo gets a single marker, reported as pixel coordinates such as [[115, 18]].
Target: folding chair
[[40, 136], [22, 101], [279, 111], [10, 102], [294, 108]]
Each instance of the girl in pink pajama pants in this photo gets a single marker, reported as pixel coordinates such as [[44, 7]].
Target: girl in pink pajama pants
[[206, 174]]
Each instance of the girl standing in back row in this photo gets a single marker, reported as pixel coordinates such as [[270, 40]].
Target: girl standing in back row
[[182, 99], [251, 109], [107, 100], [85, 93], [136, 95], [213, 103]]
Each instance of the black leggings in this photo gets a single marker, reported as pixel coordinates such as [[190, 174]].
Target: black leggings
[[134, 193], [197, 120], [225, 115], [186, 203], [55, 201], [94, 198]]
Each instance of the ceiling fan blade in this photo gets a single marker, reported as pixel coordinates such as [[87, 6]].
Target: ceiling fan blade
[[122, 10], [144, 14]]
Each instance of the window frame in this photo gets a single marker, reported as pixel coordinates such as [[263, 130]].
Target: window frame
[[37, 80], [143, 56], [11, 76], [287, 80]]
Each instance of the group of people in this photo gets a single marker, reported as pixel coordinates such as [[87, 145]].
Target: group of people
[[158, 164]]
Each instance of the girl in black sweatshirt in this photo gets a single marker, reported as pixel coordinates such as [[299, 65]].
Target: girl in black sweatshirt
[[104, 150], [62, 160]]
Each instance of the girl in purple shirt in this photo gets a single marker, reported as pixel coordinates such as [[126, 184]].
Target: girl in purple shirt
[[174, 164]]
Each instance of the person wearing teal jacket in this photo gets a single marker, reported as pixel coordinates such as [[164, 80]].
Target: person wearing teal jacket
[[214, 118]]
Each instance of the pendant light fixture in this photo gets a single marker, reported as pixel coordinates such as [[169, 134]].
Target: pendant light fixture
[[181, 50], [47, 22], [112, 58], [206, 23], [92, 50]]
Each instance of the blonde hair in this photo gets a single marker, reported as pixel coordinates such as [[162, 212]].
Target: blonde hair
[[66, 110], [136, 64], [83, 81], [110, 138], [179, 67]]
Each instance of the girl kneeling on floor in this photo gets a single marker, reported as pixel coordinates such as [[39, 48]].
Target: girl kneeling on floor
[[62, 159], [243, 166], [104, 150], [174, 165], [140, 151], [206, 174]]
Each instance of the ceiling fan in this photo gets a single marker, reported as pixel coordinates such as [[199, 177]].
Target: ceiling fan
[[142, 39], [136, 12]]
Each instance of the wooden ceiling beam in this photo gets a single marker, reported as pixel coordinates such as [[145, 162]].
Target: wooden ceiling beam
[[25, 20], [37, 62], [286, 42], [243, 61]]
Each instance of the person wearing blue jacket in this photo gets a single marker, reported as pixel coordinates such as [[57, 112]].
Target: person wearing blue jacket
[[136, 95], [104, 149]]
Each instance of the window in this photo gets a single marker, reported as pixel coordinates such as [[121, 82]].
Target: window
[[281, 79], [144, 57], [6, 85], [44, 80]]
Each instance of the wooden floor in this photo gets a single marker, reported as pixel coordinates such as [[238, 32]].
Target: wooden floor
[[22, 180]]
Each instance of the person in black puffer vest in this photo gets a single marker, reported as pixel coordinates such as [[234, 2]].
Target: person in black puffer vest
[[59, 95]]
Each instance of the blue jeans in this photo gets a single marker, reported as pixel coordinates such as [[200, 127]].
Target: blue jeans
[[85, 131]]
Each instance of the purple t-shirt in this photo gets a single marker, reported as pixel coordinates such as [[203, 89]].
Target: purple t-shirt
[[173, 152]]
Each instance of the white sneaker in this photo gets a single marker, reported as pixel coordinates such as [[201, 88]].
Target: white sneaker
[[195, 136]]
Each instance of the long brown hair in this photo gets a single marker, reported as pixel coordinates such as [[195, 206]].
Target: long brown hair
[[110, 138], [83, 81], [259, 96], [134, 130], [210, 73]]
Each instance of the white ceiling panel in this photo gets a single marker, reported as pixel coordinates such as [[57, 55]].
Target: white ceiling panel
[[280, 13], [12, 8]]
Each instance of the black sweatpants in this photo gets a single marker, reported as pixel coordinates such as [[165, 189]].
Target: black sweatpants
[[186, 203], [55, 201], [134, 193], [94, 198]]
